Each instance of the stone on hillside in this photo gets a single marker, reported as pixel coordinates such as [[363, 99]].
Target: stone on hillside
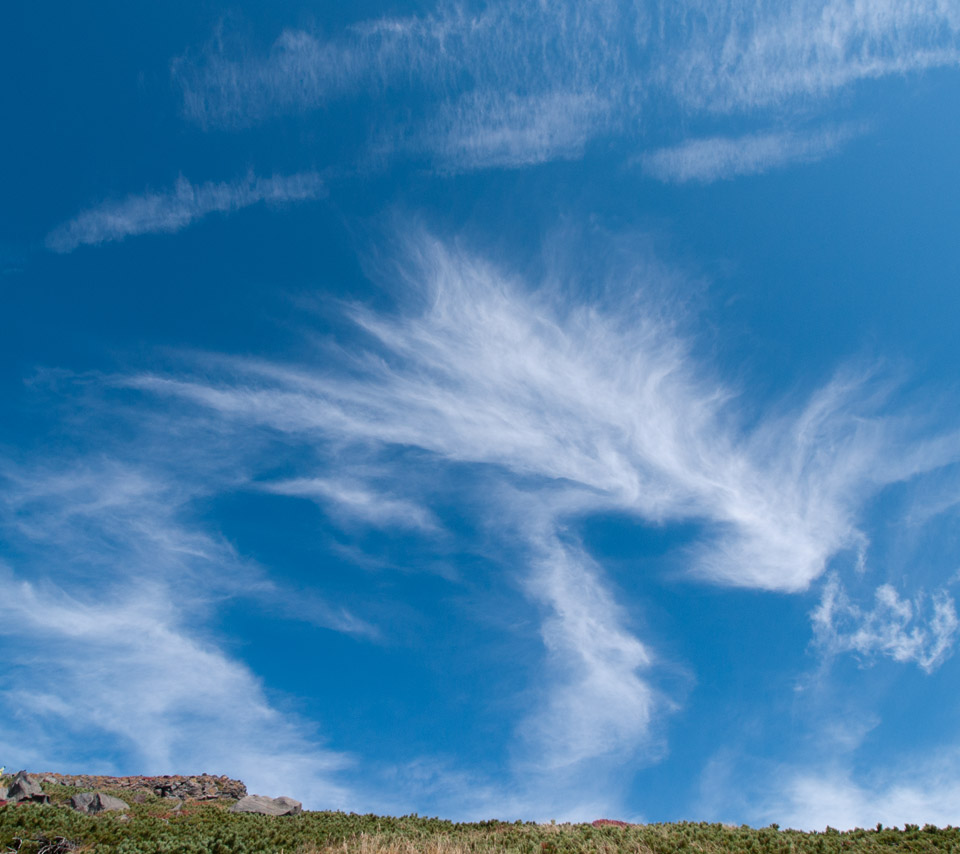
[[267, 806], [3, 793], [91, 803], [25, 788]]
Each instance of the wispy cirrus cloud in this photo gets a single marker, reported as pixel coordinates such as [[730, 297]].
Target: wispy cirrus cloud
[[518, 83], [550, 407], [172, 210], [110, 585], [741, 56], [722, 158], [478, 132], [575, 408], [919, 630], [123, 669], [354, 499], [609, 400]]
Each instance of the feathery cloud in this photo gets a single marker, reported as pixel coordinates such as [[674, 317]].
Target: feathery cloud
[[741, 56], [578, 408], [519, 83], [720, 158], [171, 211], [608, 399], [894, 627], [124, 670], [353, 499]]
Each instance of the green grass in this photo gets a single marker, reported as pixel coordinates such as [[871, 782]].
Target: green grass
[[152, 828]]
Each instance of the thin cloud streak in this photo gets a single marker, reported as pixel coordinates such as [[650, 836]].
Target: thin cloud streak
[[722, 158], [352, 499], [543, 81], [511, 132], [173, 210], [741, 56]]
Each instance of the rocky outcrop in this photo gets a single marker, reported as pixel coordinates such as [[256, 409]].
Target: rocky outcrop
[[267, 806], [200, 787], [25, 788], [91, 803]]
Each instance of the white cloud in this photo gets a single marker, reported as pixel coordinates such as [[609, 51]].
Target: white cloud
[[740, 56], [602, 702], [477, 132], [925, 793], [825, 791], [173, 210], [107, 637], [519, 83], [607, 398], [123, 668], [719, 158], [921, 631], [575, 409], [355, 500]]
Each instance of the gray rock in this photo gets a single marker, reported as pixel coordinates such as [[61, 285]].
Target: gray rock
[[3, 793], [91, 803], [25, 788], [267, 806]]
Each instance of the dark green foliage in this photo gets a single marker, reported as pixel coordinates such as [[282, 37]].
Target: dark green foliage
[[151, 828]]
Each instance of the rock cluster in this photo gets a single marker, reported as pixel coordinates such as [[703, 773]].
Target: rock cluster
[[267, 806], [26, 788], [200, 787]]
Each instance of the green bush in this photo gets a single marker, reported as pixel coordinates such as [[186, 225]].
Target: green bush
[[151, 828]]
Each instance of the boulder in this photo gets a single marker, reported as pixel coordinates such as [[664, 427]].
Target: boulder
[[267, 806], [3, 793], [25, 788], [91, 803]]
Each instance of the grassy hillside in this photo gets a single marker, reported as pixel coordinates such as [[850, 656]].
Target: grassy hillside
[[152, 828]]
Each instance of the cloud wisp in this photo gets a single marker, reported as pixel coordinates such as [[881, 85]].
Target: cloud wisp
[[896, 628], [742, 56], [122, 581], [170, 211], [722, 158], [521, 83], [125, 670], [353, 499]]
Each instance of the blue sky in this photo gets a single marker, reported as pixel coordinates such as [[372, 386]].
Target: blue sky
[[511, 410]]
